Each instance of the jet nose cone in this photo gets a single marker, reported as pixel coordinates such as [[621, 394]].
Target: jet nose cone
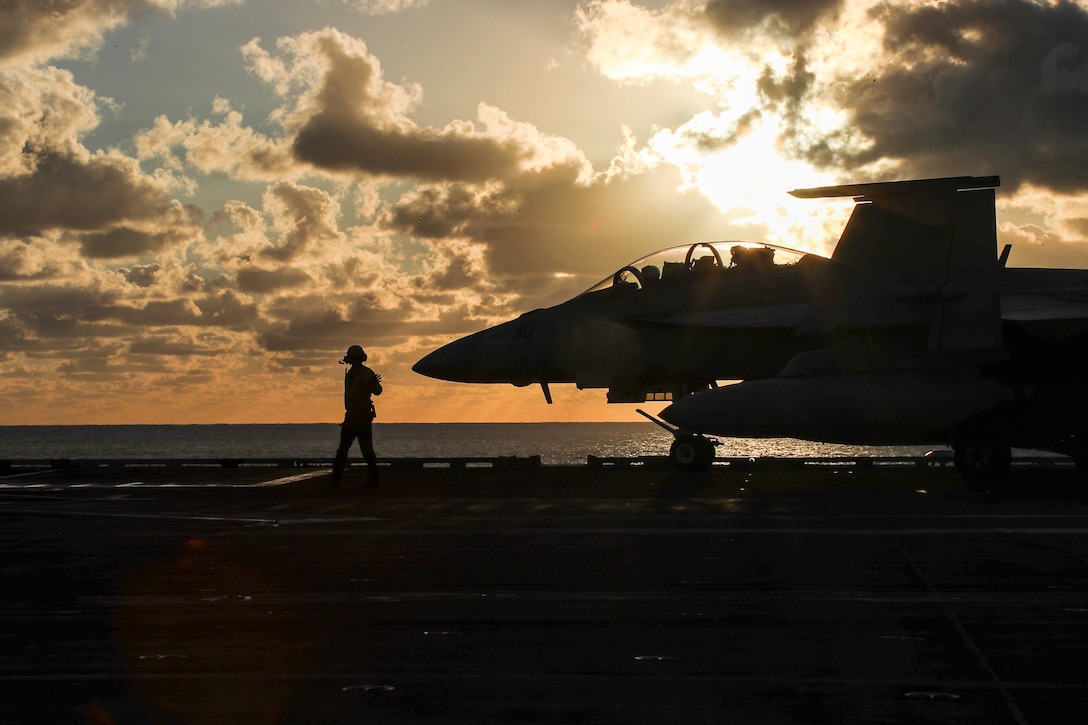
[[446, 363], [489, 356]]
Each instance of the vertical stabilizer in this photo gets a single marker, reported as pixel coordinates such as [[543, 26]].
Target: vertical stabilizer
[[915, 271], [971, 300]]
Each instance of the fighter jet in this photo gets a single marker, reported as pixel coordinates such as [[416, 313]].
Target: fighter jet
[[913, 331]]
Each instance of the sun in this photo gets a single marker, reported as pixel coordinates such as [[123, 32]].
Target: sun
[[748, 179]]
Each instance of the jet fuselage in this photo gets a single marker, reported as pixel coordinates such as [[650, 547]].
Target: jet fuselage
[[671, 334], [914, 331]]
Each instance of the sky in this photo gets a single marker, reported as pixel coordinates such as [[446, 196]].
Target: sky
[[203, 203]]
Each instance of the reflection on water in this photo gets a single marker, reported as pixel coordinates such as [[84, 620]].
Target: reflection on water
[[555, 443]]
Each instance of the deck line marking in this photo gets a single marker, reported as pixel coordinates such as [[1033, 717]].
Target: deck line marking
[[965, 637], [292, 479]]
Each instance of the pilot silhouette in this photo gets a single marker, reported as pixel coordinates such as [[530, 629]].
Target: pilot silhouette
[[360, 382]]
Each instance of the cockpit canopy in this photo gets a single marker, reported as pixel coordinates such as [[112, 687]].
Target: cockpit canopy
[[678, 265]]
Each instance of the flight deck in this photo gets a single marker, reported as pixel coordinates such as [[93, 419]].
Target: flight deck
[[526, 593]]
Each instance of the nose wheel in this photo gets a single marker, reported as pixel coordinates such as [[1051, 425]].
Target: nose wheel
[[689, 451], [692, 452]]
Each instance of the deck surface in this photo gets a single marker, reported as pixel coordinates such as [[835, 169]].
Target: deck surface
[[541, 595]]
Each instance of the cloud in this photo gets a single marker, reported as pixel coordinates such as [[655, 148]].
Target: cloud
[[124, 242], [99, 303], [141, 275], [382, 7], [781, 18], [270, 232], [263, 281], [32, 31], [995, 86], [50, 182], [106, 268], [41, 110], [69, 192], [630, 43], [228, 147], [546, 224], [347, 119], [29, 259], [170, 346], [305, 218], [865, 90]]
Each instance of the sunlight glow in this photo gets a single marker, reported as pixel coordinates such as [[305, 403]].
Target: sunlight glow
[[735, 154], [749, 180]]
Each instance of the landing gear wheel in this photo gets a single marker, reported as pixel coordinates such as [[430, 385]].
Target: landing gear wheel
[[692, 453], [983, 463], [1080, 462], [1078, 451]]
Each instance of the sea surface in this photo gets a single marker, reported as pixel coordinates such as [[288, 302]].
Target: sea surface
[[555, 443]]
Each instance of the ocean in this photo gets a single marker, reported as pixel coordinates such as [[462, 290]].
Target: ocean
[[555, 443]]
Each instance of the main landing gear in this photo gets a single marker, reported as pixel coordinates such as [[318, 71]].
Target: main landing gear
[[982, 453], [689, 451]]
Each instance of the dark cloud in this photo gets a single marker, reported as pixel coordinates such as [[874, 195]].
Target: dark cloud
[[159, 345], [359, 126], [13, 337], [22, 259], [141, 275], [351, 273], [787, 18], [384, 328], [460, 273], [39, 28], [229, 309], [994, 86], [320, 324], [712, 141], [787, 92], [346, 143], [436, 212], [46, 312], [68, 320], [66, 192], [158, 314], [306, 217], [1079, 226], [125, 242], [58, 300], [36, 30], [546, 223], [314, 332], [264, 281]]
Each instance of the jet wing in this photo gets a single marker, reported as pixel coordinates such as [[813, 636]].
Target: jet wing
[[1040, 308], [1046, 317], [1038, 295]]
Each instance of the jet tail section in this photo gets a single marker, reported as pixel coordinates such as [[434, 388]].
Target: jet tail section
[[915, 274]]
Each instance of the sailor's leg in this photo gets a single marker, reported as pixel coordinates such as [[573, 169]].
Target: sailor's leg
[[366, 445], [347, 435]]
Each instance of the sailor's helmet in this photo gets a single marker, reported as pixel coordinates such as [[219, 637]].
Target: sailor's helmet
[[355, 353]]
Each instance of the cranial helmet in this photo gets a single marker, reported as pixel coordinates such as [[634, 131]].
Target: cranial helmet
[[354, 353]]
